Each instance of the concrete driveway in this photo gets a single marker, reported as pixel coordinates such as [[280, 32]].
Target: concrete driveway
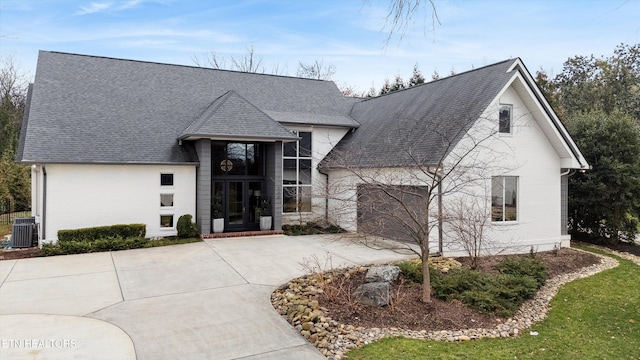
[[208, 300]]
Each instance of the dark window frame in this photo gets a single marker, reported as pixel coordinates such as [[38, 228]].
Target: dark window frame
[[505, 119], [166, 179]]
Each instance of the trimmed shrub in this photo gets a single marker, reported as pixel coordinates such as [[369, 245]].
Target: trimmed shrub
[[500, 294], [311, 228], [51, 250], [186, 227], [458, 281], [523, 266], [82, 247], [412, 271], [102, 232]]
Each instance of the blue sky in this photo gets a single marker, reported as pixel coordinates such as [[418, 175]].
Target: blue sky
[[348, 34]]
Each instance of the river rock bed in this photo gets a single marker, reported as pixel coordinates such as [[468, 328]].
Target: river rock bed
[[296, 302]]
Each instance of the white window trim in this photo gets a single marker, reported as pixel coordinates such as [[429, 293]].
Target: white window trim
[[167, 207], [508, 222], [166, 187], [297, 158], [173, 222]]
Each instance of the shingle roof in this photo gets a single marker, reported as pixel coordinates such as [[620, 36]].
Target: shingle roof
[[418, 125], [232, 117], [88, 109]]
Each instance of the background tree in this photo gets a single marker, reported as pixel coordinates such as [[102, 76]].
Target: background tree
[[398, 84], [316, 70], [386, 87], [605, 201], [15, 189], [598, 99], [13, 92], [248, 62], [416, 77]]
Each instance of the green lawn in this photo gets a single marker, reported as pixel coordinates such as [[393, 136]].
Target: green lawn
[[593, 318]]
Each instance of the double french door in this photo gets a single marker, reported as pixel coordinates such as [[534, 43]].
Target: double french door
[[238, 202]]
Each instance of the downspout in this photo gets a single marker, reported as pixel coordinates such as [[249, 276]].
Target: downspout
[[326, 196], [440, 215], [44, 202], [569, 172], [440, 222], [35, 200]]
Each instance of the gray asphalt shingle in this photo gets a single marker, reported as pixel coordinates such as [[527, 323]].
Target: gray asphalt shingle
[[89, 109], [418, 125], [233, 117]]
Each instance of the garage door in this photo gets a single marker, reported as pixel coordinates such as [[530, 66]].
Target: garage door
[[393, 212]]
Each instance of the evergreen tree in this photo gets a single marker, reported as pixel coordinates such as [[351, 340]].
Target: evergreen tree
[[604, 202], [416, 77], [599, 101]]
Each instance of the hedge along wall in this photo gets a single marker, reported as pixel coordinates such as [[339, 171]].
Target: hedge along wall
[[103, 232]]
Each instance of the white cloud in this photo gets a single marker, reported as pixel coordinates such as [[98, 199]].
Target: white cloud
[[94, 7]]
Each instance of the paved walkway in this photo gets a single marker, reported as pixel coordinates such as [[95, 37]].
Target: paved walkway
[[208, 300]]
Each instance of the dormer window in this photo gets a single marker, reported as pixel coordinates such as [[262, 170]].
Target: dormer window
[[505, 119]]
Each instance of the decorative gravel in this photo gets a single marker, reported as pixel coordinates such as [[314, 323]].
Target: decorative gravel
[[295, 302]]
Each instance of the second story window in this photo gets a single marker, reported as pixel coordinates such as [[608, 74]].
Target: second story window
[[505, 119]]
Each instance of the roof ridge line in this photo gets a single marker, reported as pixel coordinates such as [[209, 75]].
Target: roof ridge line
[[438, 80], [186, 66]]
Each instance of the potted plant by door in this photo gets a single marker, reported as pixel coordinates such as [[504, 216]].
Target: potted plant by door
[[265, 214], [218, 215]]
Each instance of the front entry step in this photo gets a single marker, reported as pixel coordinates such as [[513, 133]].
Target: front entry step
[[241, 233]]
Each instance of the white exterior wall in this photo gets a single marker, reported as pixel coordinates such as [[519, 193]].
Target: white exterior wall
[[80, 196], [323, 139], [526, 153]]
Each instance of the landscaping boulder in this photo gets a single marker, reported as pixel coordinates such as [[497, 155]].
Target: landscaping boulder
[[373, 294], [387, 273]]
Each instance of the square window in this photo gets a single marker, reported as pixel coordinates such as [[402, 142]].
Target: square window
[[166, 179], [166, 221], [166, 200], [505, 117]]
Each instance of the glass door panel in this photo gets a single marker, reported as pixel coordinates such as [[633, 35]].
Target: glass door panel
[[255, 200], [236, 203]]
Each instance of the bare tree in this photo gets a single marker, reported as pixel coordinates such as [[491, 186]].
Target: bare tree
[[316, 70], [406, 202], [13, 94], [468, 220], [212, 60], [248, 62], [401, 12]]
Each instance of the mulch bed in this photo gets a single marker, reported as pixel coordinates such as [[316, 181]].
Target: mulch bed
[[19, 253], [409, 312], [625, 247]]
